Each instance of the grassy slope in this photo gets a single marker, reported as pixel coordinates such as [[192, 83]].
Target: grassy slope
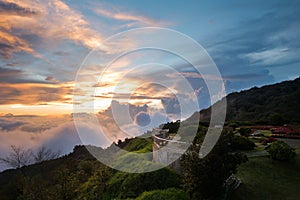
[[264, 178]]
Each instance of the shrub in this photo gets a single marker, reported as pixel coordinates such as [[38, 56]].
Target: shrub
[[280, 150], [125, 185], [171, 194], [242, 143], [245, 131]]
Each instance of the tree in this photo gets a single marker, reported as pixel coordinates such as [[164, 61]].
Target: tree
[[66, 183], [20, 157], [17, 158], [245, 131], [172, 126], [28, 187], [94, 188], [242, 143], [233, 125], [43, 154], [280, 150], [276, 119], [33, 188], [204, 178]]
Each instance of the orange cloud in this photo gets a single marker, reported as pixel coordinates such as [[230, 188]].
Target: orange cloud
[[35, 94], [11, 43], [52, 19], [134, 19]]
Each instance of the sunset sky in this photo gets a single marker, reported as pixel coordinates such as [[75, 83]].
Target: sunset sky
[[43, 43]]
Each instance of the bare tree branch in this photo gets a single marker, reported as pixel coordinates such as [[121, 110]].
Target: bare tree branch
[[17, 158], [20, 157], [43, 154]]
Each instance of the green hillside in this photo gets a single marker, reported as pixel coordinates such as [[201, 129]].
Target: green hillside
[[80, 176], [271, 104]]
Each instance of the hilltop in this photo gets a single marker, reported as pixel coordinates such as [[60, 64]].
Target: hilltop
[[271, 104]]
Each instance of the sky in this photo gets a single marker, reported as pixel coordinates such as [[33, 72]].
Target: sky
[[47, 47], [43, 43]]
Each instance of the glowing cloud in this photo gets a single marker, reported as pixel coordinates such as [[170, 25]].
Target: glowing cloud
[[51, 19], [132, 19]]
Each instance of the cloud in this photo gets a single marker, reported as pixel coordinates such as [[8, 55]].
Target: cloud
[[247, 76], [12, 64], [60, 133], [144, 122], [10, 44], [269, 57], [52, 19], [154, 90], [119, 111], [13, 9], [62, 138], [51, 79], [196, 75], [8, 75], [142, 119], [34, 94], [31, 123], [8, 125], [149, 93], [128, 120], [130, 19], [171, 105], [134, 96], [61, 53], [14, 75], [256, 46]]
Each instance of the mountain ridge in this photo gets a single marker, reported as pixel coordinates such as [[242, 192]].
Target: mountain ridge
[[263, 105]]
